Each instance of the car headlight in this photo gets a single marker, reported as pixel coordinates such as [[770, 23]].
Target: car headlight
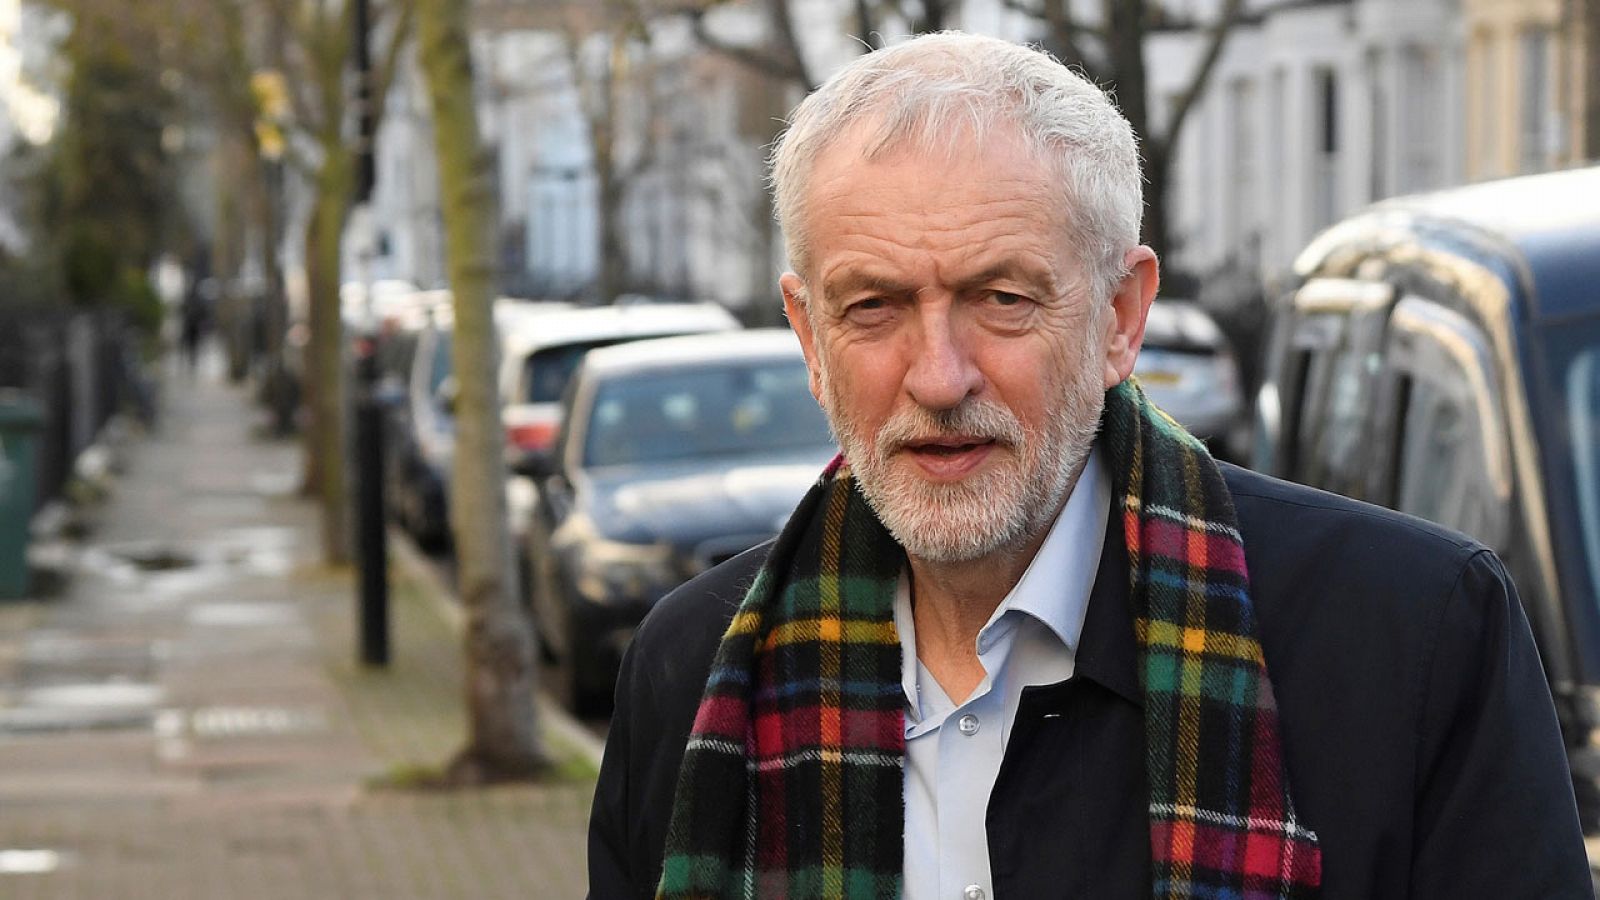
[[612, 571]]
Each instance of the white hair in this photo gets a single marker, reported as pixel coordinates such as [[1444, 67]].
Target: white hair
[[923, 90]]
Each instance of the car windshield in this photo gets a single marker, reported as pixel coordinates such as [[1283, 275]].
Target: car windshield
[[1576, 377], [549, 370], [743, 409]]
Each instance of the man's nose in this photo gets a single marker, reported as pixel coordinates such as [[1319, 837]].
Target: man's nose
[[942, 372]]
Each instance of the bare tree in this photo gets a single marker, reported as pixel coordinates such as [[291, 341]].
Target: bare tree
[[503, 741], [779, 63], [603, 86], [1110, 51]]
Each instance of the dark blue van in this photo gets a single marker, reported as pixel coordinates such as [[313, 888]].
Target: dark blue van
[[1440, 355]]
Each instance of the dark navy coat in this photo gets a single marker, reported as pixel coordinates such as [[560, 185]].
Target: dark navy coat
[[1418, 729]]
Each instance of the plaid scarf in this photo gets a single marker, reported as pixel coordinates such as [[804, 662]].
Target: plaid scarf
[[791, 785]]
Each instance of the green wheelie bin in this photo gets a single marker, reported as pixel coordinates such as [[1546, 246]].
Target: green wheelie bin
[[20, 421]]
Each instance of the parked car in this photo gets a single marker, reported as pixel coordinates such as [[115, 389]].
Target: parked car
[[536, 363], [421, 431], [1440, 355], [673, 456], [1188, 369]]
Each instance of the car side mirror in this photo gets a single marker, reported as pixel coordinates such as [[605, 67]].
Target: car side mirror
[[447, 394]]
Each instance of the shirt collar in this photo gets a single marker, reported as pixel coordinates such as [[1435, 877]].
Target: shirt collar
[[1055, 587]]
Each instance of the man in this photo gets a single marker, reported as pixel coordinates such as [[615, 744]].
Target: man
[[1026, 639]]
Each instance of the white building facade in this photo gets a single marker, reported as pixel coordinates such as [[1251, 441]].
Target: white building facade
[[1314, 110]]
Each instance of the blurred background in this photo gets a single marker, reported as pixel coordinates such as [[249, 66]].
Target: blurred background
[[369, 367]]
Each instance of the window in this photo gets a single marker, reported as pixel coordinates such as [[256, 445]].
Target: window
[[1485, 109], [1334, 399], [1422, 122], [1306, 390], [1535, 99], [1242, 159], [1583, 418], [1380, 183], [1325, 163], [745, 409], [1451, 465]]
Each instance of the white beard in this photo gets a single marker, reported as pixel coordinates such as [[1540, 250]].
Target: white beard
[[994, 510]]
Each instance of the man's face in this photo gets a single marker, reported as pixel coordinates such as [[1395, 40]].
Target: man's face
[[951, 339]]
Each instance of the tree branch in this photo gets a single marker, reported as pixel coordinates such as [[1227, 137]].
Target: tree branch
[[389, 66], [1066, 33], [783, 23], [1216, 38], [867, 27], [764, 63]]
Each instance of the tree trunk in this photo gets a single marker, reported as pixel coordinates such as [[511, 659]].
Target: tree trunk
[[1157, 170], [1124, 49], [503, 742], [767, 309], [613, 258], [325, 441]]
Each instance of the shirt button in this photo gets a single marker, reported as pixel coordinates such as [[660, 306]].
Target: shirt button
[[973, 892], [969, 727]]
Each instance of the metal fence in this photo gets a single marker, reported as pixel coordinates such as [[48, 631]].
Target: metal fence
[[81, 367]]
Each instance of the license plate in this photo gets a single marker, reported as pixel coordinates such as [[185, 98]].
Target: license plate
[[1160, 378]]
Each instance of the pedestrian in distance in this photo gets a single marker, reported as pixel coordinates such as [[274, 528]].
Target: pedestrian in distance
[[1025, 638]]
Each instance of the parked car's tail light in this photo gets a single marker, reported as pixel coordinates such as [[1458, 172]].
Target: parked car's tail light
[[532, 435]]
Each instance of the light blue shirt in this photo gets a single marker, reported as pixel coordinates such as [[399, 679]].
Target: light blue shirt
[[953, 752]]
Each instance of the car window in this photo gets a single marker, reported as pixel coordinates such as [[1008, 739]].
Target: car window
[[1316, 343], [1347, 389], [546, 372], [1582, 391], [1447, 470], [722, 410]]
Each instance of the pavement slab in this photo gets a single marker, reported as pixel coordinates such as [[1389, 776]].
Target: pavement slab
[[187, 718]]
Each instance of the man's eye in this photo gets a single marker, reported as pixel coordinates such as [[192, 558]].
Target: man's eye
[[868, 305], [1005, 298]]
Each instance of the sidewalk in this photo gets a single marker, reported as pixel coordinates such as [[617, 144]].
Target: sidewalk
[[186, 720]]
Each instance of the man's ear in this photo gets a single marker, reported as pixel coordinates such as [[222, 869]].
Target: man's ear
[[795, 299], [1129, 305]]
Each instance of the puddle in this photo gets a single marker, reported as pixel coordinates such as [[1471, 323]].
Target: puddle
[[156, 558], [184, 567], [32, 862], [81, 707], [242, 614], [275, 484], [35, 720], [106, 695]]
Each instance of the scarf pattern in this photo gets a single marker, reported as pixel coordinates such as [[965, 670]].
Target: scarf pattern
[[792, 781]]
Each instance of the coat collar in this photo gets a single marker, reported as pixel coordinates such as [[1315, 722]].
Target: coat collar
[[1107, 651]]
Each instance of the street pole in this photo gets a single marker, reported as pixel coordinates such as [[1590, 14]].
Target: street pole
[[371, 537]]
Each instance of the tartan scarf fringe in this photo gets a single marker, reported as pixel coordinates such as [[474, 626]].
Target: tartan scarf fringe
[[792, 781]]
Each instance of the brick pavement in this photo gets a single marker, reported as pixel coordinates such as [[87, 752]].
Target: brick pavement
[[196, 726]]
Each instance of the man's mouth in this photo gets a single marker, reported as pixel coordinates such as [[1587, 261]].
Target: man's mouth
[[948, 458]]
